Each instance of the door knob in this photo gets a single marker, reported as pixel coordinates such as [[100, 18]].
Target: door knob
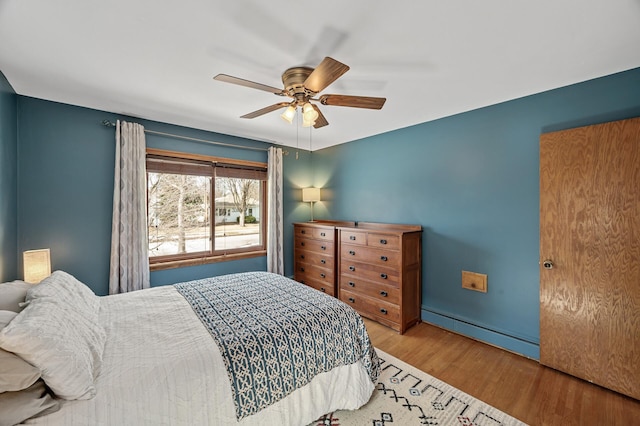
[[547, 264]]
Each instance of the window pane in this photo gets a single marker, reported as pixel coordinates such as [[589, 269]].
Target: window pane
[[178, 216], [238, 229]]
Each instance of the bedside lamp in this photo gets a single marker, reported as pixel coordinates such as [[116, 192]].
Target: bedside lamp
[[37, 265], [311, 195]]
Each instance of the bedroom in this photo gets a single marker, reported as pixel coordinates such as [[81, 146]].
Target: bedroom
[[438, 174]]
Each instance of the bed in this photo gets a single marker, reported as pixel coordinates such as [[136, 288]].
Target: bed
[[251, 349]]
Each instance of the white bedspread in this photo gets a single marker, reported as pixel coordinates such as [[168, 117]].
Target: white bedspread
[[162, 367]]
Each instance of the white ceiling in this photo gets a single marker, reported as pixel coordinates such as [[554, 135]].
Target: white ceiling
[[155, 59]]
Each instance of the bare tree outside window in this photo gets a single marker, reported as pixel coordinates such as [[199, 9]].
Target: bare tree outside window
[[178, 209]]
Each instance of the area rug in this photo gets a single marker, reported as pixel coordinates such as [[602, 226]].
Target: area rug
[[406, 396]]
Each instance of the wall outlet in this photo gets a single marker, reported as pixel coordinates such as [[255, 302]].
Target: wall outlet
[[474, 281]]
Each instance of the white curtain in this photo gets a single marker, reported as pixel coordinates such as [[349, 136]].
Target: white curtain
[[129, 245], [275, 258]]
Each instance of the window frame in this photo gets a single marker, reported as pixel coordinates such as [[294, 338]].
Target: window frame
[[213, 255]]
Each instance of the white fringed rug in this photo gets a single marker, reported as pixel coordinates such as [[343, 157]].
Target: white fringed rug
[[406, 396]]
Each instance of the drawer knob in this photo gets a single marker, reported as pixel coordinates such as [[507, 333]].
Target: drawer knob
[[383, 276], [303, 232], [323, 247], [322, 290], [322, 234], [301, 269], [322, 275], [302, 243], [383, 258], [383, 311], [323, 261], [352, 268], [352, 284], [384, 294], [383, 241], [302, 256], [352, 237], [352, 253], [352, 300]]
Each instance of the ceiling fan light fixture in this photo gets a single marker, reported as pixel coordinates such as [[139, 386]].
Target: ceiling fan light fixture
[[288, 114], [307, 123]]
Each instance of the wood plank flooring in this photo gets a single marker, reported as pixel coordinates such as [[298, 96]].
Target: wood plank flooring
[[519, 386]]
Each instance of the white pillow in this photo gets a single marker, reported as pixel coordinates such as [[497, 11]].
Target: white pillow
[[59, 333], [15, 373], [65, 286], [13, 293]]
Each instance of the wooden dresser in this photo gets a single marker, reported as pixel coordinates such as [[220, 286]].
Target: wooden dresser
[[379, 272], [315, 253]]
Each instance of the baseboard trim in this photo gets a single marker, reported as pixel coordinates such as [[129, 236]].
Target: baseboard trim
[[503, 341]]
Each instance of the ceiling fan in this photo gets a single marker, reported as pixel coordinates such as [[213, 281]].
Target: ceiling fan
[[302, 84]]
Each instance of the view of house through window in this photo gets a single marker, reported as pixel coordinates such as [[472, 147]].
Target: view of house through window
[[198, 209], [237, 226]]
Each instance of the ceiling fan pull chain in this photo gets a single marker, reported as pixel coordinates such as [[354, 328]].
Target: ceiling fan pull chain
[[297, 131]]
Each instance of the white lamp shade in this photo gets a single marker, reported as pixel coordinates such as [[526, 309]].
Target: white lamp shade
[[309, 113], [310, 194], [37, 265], [288, 114]]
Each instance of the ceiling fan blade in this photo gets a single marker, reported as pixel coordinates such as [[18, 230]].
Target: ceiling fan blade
[[353, 101], [321, 121], [266, 110], [246, 83], [326, 73]]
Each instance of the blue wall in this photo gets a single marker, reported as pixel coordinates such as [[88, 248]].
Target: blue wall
[[472, 182], [65, 187], [297, 174], [8, 181]]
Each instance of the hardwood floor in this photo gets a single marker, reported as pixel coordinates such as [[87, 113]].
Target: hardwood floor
[[519, 386]]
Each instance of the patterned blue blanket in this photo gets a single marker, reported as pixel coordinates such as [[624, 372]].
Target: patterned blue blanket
[[276, 334]]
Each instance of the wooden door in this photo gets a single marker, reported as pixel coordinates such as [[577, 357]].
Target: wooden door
[[590, 232]]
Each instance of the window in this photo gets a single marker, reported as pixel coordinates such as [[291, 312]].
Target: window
[[183, 190]]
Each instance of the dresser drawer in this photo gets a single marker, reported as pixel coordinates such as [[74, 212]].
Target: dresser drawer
[[306, 270], [353, 237], [317, 246], [374, 256], [368, 306], [324, 260], [315, 232], [324, 234], [383, 292], [386, 241], [303, 231], [370, 272], [319, 285]]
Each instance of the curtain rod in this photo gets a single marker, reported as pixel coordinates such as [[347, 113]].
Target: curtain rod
[[109, 123]]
